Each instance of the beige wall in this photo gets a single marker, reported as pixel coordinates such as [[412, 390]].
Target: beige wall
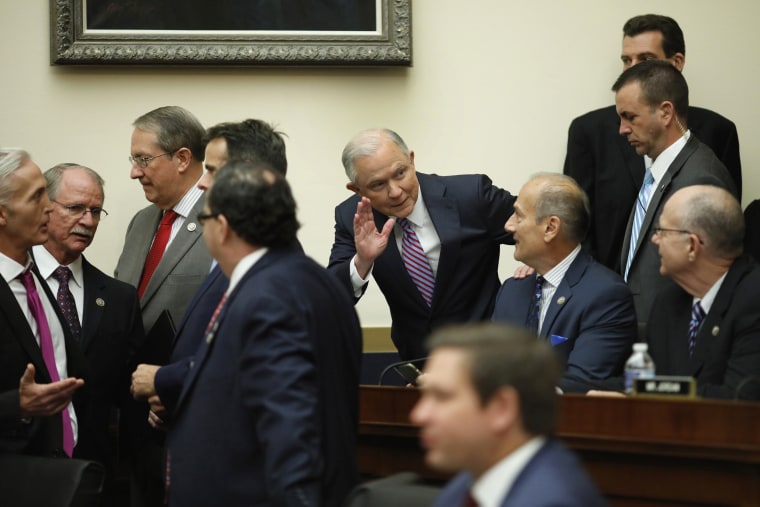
[[493, 89]]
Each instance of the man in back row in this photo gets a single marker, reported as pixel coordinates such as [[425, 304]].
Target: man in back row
[[607, 167]]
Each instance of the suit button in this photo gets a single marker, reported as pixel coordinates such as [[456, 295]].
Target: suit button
[[192, 364]]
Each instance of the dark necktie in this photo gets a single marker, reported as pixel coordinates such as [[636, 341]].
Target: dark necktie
[[534, 312], [212, 324], [416, 262], [66, 301], [157, 249], [46, 347], [697, 315], [470, 501]]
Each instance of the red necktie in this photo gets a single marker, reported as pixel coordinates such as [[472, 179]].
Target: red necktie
[[470, 501], [157, 249], [46, 346]]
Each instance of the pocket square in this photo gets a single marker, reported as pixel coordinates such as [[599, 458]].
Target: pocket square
[[557, 340]]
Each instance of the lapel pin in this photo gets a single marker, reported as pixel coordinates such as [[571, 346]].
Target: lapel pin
[[191, 226], [715, 331], [561, 300], [100, 302]]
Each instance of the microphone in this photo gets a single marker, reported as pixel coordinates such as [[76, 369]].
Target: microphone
[[406, 369]]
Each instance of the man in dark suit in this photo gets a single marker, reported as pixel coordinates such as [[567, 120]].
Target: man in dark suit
[[708, 325], [164, 257], [251, 140], [272, 396], [488, 409], [457, 221], [608, 168], [102, 313], [584, 310], [39, 362], [652, 99]]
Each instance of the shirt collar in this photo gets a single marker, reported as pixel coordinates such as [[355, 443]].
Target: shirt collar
[[661, 163], [555, 275], [243, 266], [10, 269], [419, 214], [186, 204], [494, 485], [709, 298], [47, 264]]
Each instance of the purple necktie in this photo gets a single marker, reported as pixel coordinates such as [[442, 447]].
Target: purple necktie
[[697, 315], [66, 301], [416, 262], [46, 346]]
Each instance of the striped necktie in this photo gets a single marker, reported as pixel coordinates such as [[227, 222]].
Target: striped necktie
[[416, 262], [534, 313], [697, 315], [642, 202]]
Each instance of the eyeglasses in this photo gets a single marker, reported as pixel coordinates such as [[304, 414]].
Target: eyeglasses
[[202, 217], [144, 161], [660, 230], [80, 210]]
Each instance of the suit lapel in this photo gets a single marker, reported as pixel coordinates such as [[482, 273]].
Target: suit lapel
[[21, 330], [208, 282], [94, 302], [443, 213], [131, 264], [183, 241], [565, 291]]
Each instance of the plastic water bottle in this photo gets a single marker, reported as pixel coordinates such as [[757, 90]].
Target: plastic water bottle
[[639, 365]]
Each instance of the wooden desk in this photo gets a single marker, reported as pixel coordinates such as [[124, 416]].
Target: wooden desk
[[641, 452]]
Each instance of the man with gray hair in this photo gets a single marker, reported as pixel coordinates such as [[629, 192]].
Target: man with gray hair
[[102, 313], [446, 233], [583, 309], [708, 325], [40, 360], [488, 410]]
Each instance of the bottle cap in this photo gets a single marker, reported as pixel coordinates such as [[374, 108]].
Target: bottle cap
[[640, 347]]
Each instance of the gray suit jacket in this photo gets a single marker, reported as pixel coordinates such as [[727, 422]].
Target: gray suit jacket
[[696, 164], [182, 269]]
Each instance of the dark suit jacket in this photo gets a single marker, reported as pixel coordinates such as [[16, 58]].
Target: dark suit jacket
[[41, 436], [190, 332], [272, 397], [592, 310], [606, 166], [111, 333], [182, 269], [469, 214], [752, 229], [727, 351], [554, 476], [695, 164]]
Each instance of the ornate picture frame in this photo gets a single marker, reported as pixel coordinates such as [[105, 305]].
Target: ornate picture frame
[[73, 42]]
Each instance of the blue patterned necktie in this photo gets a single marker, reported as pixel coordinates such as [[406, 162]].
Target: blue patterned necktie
[[697, 315], [534, 312], [642, 202], [65, 301], [416, 261]]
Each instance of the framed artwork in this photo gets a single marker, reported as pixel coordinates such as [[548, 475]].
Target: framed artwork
[[231, 32]]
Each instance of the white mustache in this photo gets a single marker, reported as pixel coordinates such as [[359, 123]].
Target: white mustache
[[81, 231]]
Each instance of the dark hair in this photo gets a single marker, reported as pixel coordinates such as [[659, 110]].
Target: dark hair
[[562, 197], [257, 202], [175, 128], [659, 81], [672, 36], [252, 140], [502, 355]]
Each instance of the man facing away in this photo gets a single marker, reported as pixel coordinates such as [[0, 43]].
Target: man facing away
[[271, 398], [608, 169], [584, 310], [435, 263], [487, 410]]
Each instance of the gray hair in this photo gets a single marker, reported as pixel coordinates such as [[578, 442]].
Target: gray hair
[[175, 128], [54, 175], [366, 143], [10, 160], [716, 217], [562, 197]]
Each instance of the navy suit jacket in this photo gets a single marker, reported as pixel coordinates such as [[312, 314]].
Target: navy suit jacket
[[696, 164], [608, 169], [590, 322], [554, 477], [41, 436], [271, 398], [726, 359], [111, 333], [469, 214]]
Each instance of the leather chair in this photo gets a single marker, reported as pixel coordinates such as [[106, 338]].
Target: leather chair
[[400, 490], [31, 481]]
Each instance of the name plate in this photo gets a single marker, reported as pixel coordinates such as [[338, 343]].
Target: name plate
[[663, 385]]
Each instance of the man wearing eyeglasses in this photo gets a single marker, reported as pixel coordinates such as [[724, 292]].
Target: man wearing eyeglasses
[[102, 313], [708, 326], [652, 101], [164, 255]]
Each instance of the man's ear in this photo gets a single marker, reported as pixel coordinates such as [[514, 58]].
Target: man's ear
[[411, 156], [678, 60], [353, 188], [185, 156], [551, 228], [3, 215]]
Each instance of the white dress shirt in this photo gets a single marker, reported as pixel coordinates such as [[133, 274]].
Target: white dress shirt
[[552, 279], [46, 265]]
